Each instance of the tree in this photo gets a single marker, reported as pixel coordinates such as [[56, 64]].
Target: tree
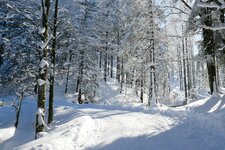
[[203, 17], [43, 67], [53, 64]]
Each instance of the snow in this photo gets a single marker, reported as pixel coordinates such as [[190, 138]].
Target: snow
[[6, 128], [25, 131], [40, 114], [28, 16], [83, 97], [6, 133], [43, 64], [210, 5], [8, 5], [41, 30], [41, 82], [119, 121], [42, 45]]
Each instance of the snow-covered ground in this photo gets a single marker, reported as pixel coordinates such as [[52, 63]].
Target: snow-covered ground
[[119, 122]]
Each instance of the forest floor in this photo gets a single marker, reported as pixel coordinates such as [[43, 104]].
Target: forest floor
[[118, 122]]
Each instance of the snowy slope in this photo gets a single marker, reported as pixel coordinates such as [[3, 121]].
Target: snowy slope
[[25, 131], [122, 123]]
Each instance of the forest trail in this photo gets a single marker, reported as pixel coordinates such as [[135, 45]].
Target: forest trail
[[105, 127], [124, 128], [114, 124]]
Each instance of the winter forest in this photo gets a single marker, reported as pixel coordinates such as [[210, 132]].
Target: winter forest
[[112, 74]]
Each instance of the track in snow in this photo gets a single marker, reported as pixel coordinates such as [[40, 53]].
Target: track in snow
[[134, 127], [118, 128]]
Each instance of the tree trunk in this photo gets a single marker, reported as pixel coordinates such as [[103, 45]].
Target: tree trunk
[[100, 60], [180, 68], [188, 69], [111, 66], [78, 82], [52, 77], [185, 74], [118, 69], [105, 58], [19, 108], [152, 76], [208, 44], [217, 73], [80, 78], [142, 86], [1, 54], [43, 74], [193, 70], [68, 73], [108, 68], [122, 75], [80, 101], [105, 67]]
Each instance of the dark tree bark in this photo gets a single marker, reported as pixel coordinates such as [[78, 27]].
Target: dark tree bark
[[185, 72], [111, 75], [118, 69], [80, 101], [80, 78], [43, 74], [100, 60], [1, 54], [53, 55], [122, 75], [193, 69], [19, 108], [108, 68], [78, 82], [208, 44], [106, 58], [180, 67], [142, 86], [68, 73]]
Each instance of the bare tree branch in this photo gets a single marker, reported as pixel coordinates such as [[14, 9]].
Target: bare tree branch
[[186, 4]]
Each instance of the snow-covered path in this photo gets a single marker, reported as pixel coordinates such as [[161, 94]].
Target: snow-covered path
[[107, 127], [117, 128], [120, 123]]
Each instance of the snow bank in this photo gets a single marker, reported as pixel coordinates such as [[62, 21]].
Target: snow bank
[[6, 133], [64, 133]]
